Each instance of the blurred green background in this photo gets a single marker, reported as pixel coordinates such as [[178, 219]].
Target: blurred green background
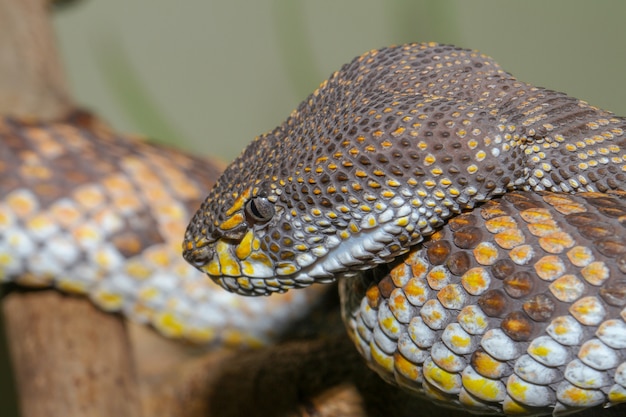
[[211, 75]]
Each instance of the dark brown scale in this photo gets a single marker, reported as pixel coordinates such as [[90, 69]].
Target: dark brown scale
[[463, 220], [438, 252], [621, 263], [418, 172], [540, 308], [493, 303], [493, 209], [274, 248], [386, 286], [490, 185], [521, 203], [396, 171], [519, 285], [603, 202], [596, 230], [615, 293], [459, 263], [286, 255], [128, 243], [582, 219], [611, 246], [614, 212], [468, 237], [341, 177], [517, 326], [503, 269]]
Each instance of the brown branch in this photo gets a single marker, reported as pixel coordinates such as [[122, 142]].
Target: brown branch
[[322, 378], [31, 77], [69, 359]]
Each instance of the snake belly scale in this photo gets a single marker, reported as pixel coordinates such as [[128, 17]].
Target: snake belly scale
[[375, 162]]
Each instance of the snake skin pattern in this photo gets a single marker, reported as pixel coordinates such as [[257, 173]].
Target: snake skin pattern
[[386, 151], [91, 212], [515, 307]]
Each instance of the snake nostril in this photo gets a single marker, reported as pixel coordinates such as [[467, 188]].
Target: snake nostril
[[198, 253], [202, 256]]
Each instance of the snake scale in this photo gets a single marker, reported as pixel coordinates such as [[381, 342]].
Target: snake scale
[[476, 223]]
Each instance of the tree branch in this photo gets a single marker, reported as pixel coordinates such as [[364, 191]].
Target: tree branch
[[69, 358], [31, 77]]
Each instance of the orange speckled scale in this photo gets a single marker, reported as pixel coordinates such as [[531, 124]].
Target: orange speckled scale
[[514, 338], [94, 213]]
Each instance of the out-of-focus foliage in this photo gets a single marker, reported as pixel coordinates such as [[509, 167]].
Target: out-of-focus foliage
[[211, 75]]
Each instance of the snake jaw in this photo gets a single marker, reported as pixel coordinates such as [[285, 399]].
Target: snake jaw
[[245, 268], [256, 265]]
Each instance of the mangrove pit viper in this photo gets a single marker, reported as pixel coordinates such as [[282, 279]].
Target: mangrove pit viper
[[92, 212], [514, 307]]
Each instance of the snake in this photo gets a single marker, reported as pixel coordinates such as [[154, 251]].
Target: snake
[[476, 225], [95, 213]]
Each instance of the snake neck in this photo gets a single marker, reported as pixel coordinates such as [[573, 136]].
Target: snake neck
[[568, 145]]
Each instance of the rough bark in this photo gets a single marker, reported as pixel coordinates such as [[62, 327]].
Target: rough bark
[[31, 81], [69, 359]]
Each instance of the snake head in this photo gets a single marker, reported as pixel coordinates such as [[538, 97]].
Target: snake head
[[245, 236], [266, 227], [370, 163], [285, 216]]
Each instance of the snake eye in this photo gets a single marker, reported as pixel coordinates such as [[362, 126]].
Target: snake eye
[[259, 210]]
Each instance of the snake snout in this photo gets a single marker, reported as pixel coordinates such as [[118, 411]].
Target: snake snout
[[198, 253]]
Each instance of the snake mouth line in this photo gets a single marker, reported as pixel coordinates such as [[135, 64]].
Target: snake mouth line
[[345, 258], [255, 274]]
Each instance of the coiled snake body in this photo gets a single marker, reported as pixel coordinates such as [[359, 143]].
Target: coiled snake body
[[514, 307], [89, 211]]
